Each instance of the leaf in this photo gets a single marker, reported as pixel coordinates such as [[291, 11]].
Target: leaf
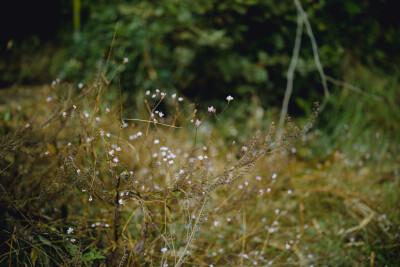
[[33, 256], [45, 240], [93, 255], [7, 115], [89, 160], [176, 193]]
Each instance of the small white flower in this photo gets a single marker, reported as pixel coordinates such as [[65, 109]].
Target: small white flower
[[73, 240], [139, 134], [86, 114], [116, 160], [201, 158], [171, 162], [107, 110], [154, 96], [97, 119], [244, 149], [180, 99], [287, 246], [27, 125], [108, 134], [198, 123], [268, 190], [161, 114], [90, 198], [211, 109], [49, 99], [106, 225], [274, 175], [163, 95], [80, 85], [240, 186], [64, 114], [174, 96], [121, 201], [69, 144], [102, 133], [163, 250], [126, 60], [157, 91], [74, 106], [118, 148], [111, 152], [70, 230], [78, 171], [47, 153], [216, 223], [156, 141], [229, 98], [132, 137], [125, 125], [155, 155], [258, 178]]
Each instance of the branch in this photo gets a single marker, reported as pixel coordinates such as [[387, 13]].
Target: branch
[[292, 67]]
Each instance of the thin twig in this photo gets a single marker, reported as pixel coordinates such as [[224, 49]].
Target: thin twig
[[292, 67], [314, 46], [353, 88]]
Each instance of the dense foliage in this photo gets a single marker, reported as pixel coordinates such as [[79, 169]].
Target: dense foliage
[[242, 47]]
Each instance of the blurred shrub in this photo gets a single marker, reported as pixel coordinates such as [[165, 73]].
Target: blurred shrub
[[238, 47], [241, 47]]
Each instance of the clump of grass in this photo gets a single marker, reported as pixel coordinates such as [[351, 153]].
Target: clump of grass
[[83, 184]]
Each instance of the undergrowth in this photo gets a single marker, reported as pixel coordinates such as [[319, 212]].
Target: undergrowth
[[83, 184]]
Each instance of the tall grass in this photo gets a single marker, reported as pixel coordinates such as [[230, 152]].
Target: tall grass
[[82, 183]]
